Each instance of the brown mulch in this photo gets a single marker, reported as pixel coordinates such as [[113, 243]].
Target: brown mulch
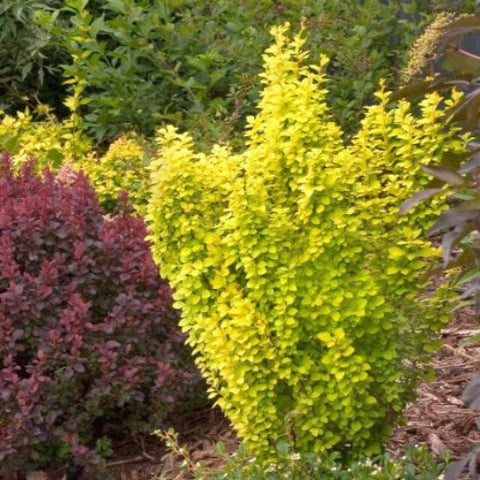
[[438, 419], [199, 432]]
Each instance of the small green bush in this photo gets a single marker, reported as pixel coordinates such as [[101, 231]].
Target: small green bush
[[41, 135], [417, 464], [122, 168], [298, 282]]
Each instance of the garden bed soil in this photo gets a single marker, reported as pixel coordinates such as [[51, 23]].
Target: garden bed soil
[[438, 417]]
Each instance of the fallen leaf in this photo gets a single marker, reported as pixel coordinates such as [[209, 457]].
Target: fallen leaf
[[437, 446], [37, 475]]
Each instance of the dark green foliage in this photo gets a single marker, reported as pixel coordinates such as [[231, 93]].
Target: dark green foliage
[[89, 344], [30, 62], [195, 63]]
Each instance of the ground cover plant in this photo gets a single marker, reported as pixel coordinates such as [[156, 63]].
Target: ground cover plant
[[89, 341], [418, 463], [142, 62], [298, 282]]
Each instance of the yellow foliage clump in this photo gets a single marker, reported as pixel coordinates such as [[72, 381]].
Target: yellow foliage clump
[[63, 146], [297, 279], [123, 167], [49, 141]]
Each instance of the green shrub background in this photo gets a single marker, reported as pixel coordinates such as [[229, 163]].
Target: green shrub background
[[194, 63]]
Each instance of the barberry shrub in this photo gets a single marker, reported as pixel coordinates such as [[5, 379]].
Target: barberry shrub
[[63, 144], [122, 168], [298, 281], [41, 135], [89, 342]]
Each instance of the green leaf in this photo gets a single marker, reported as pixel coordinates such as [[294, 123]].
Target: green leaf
[[220, 448], [409, 8], [97, 26], [55, 157], [9, 143], [433, 346], [282, 447], [78, 5], [217, 75], [117, 6]]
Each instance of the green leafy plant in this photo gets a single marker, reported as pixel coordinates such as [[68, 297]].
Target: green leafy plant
[[124, 167], [30, 69], [298, 282], [140, 63], [66, 149], [418, 463], [41, 135]]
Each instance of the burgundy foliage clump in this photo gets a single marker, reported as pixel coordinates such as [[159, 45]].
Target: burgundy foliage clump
[[89, 341]]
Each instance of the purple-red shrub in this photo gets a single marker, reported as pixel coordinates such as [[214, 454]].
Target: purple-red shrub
[[88, 334]]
